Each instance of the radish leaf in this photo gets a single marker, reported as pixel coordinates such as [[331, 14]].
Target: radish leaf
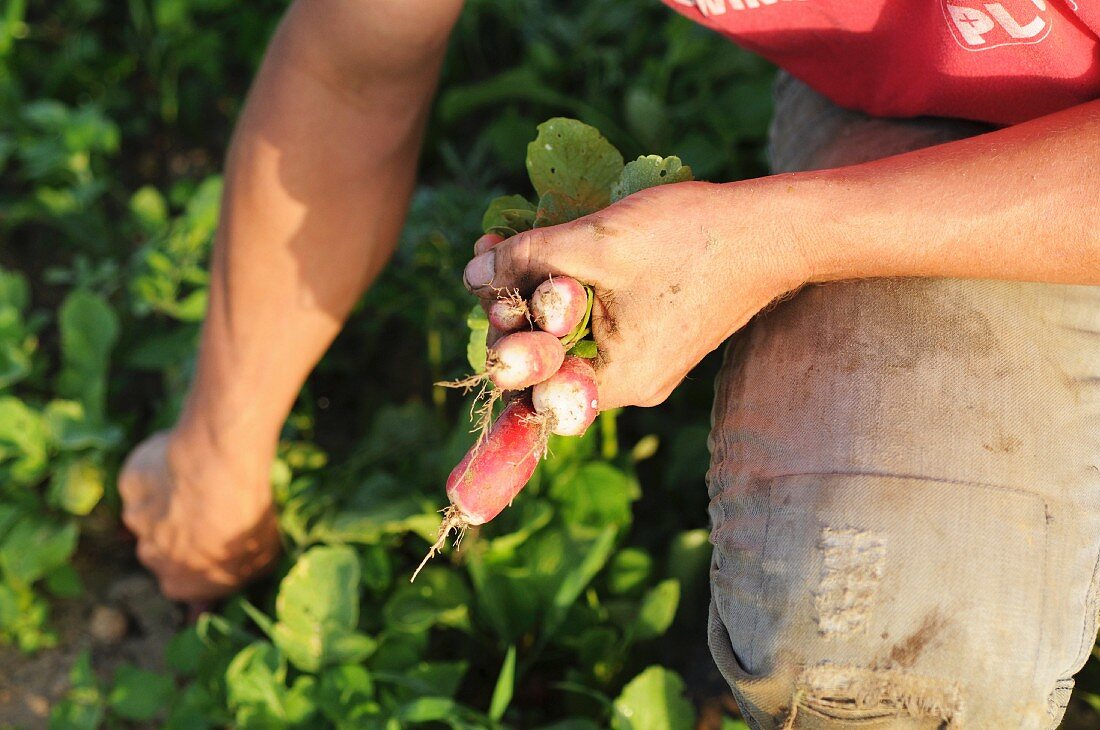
[[649, 171], [571, 156]]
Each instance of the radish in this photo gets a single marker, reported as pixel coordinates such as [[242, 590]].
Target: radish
[[567, 402], [492, 473], [490, 476], [558, 305], [514, 362], [521, 359], [509, 313]]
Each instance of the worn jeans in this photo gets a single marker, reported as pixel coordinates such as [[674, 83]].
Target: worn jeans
[[905, 484]]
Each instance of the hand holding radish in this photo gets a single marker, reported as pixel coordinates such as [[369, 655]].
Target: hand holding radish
[[603, 294], [674, 274]]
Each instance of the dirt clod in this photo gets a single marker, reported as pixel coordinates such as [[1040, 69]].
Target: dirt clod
[[107, 625]]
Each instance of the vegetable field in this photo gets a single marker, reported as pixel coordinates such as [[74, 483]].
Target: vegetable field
[[583, 605]]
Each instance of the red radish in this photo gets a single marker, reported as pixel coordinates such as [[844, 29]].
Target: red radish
[[509, 313], [567, 401], [492, 473], [521, 359], [558, 305]]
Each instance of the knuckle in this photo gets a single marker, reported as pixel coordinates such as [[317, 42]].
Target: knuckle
[[148, 553], [523, 252]]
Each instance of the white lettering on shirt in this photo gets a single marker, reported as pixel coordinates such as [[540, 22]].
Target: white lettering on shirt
[[979, 26]]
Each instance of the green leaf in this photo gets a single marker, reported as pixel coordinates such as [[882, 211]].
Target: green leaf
[[506, 684], [299, 705], [318, 610], [557, 207], [658, 609], [185, 651], [15, 359], [580, 576], [428, 709], [192, 308], [71, 430], [436, 679], [83, 706], [584, 348], [138, 694], [595, 494], [77, 485], [377, 567], [688, 561], [571, 157], [258, 617], [256, 679], [513, 212], [478, 323], [34, 547], [654, 700], [649, 171], [629, 570], [64, 582], [397, 652], [381, 506], [14, 290], [438, 597], [149, 208], [530, 517], [89, 330], [645, 448], [344, 692], [195, 709], [24, 443], [23, 614]]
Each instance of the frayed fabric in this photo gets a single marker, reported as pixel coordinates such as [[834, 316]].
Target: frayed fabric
[[833, 688]]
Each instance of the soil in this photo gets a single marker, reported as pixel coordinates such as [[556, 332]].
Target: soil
[[120, 617]]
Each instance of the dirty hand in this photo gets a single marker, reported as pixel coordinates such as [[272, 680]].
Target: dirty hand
[[676, 269], [203, 527]]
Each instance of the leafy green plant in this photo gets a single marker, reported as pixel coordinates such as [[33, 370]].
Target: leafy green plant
[[54, 441], [579, 607]]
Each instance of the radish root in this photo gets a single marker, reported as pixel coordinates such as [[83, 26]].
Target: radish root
[[453, 519], [481, 409], [513, 304]]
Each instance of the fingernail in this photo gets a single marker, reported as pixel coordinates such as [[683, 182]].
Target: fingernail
[[486, 242], [479, 272]]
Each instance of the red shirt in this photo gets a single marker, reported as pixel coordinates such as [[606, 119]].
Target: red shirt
[[1001, 62]]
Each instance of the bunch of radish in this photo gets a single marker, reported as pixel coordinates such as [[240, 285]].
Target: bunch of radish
[[551, 391], [540, 364]]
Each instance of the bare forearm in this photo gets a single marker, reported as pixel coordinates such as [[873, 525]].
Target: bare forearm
[[317, 184], [1020, 203]]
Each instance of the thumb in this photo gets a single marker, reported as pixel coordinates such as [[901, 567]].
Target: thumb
[[525, 260]]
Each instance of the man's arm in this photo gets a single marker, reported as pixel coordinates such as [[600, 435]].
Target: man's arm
[[319, 175], [678, 268], [1021, 203], [318, 179]]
